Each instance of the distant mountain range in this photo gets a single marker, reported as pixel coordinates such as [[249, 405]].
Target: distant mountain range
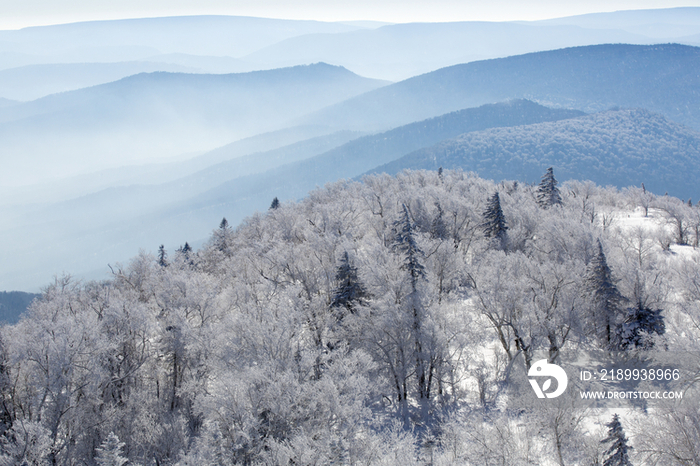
[[160, 158], [147, 116], [229, 44], [400, 51], [619, 148], [662, 78], [32, 82], [133, 39]]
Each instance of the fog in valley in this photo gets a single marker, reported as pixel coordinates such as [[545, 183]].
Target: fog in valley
[[111, 145]]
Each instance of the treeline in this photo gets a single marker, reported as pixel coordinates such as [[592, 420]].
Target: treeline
[[370, 323]]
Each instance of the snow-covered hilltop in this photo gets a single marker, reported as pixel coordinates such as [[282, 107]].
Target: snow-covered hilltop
[[370, 323]]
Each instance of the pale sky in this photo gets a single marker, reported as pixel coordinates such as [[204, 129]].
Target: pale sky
[[15, 14]]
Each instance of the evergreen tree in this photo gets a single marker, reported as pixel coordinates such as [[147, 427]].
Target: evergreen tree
[[221, 237], [350, 291], [607, 303], [637, 331], [275, 204], [618, 452], [494, 225], [405, 242], [110, 452], [185, 249], [438, 229], [162, 256], [184, 253], [547, 193]]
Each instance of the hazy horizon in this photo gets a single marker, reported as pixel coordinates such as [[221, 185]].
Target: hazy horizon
[[20, 15]]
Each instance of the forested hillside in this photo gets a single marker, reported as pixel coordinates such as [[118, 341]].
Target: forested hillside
[[617, 147], [373, 322]]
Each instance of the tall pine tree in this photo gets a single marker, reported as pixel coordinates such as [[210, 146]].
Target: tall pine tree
[[405, 242], [110, 452], [547, 193], [607, 304], [438, 229], [222, 236], [494, 225], [350, 292], [162, 256], [618, 452]]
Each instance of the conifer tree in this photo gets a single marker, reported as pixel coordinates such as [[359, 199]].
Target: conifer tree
[[110, 452], [618, 452], [637, 331], [221, 237], [547, 193], [162, 256], [438, 229], [350, 291], [405, 242], [275, 204], [607, 303], [494, 225], [184, 253]]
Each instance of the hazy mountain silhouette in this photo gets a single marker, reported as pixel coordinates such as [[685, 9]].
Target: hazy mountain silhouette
[[662, 23], [400, 51], [662, 78], [35, 81], [134, 39], [146, 116]]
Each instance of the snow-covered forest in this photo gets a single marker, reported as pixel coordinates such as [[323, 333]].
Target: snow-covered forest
[[370, 323]]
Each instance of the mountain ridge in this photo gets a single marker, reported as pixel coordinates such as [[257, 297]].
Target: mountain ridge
[[589, 78], [618, 147]]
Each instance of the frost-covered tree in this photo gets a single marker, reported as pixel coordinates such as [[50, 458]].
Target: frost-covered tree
[[617, 453], [640, 327], [184, 254], [221, 238], [213, 361], [350, 291], [405, 243], [494, 222], [547, 193], [607, 303], [110, 452], [162, 256], [438, 228]]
